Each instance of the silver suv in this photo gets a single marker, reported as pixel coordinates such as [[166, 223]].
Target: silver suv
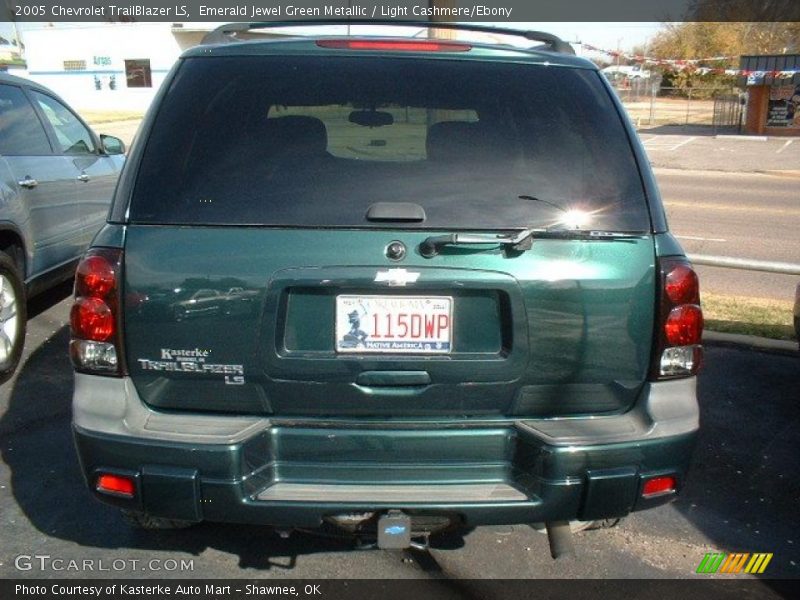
[[56, 182]]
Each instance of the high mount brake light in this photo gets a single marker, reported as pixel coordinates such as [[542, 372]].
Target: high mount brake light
[[95, 316], [679, 328], [395, 45]]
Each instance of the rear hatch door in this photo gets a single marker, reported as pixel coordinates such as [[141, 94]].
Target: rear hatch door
[[274, 255]]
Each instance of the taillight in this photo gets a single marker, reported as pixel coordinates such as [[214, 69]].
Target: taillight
[[679, 329], [95, 276], [95, 317], [684, 325], [395, 45], [681, 285], [91, 319]]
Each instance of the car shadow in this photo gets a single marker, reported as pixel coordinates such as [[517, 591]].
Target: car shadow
[[48, 486], [741, 491], [42, 302]]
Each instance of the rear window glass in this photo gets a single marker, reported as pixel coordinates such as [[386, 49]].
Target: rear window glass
[[315, 141]]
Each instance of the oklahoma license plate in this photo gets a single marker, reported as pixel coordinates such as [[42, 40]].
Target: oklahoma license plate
[[394, 324]]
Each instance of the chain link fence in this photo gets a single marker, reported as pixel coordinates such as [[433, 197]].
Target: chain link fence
[[649, 105]]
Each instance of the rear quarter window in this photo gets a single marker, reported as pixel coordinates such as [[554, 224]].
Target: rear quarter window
[[314, 141]]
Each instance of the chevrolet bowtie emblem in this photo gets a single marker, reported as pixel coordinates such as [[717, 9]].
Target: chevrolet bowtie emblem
[[396, 277]]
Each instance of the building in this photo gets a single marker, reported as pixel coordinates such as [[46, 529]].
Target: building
[[10, 47], [112, 66], [105, 66], [773, 93]]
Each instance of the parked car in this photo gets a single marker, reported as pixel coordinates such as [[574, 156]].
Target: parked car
[[56, 182], [468, 307], [615, 72], [200, 302]]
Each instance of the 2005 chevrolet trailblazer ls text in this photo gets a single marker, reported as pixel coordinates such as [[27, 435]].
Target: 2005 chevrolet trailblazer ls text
[[389, 285]]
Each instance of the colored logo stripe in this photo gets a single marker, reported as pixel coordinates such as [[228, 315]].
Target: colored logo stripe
[[758, 563], [734, 563], [711, 563], [720, 562]]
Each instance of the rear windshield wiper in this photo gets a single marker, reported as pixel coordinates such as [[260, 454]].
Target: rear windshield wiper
[[520, 241]]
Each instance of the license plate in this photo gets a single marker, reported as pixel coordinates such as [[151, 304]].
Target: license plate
[[394, 324]]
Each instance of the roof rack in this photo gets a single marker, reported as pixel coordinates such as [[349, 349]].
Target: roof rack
[[228, 33]]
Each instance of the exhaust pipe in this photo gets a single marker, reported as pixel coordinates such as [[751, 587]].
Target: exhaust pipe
[[559, 535]]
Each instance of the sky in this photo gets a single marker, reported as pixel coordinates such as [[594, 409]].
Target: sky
[[608, 36]]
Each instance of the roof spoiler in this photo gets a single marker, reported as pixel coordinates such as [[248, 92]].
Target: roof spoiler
[[232, 31]]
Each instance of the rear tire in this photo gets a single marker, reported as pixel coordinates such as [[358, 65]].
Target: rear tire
[[13, 316], [139, 520]]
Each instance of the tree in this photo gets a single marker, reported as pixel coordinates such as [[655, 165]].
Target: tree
[[708, 39], [750, 11]]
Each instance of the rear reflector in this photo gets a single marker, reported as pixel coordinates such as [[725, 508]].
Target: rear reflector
[[658, 486], [116, 485], [394, 45]]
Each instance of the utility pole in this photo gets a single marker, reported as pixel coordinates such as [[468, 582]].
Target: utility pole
[[449, 34]]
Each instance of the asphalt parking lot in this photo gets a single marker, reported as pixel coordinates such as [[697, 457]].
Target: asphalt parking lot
[[741, 496], [700, 149]]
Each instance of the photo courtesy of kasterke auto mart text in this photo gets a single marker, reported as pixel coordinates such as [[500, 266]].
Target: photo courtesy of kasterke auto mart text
[[388, 287]]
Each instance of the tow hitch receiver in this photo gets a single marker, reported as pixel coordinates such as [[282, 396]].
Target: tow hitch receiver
[[394, 531]]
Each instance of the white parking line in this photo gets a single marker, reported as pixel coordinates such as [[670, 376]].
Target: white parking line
[[782, 148], [700, 239], [660, 141], [683, 143]]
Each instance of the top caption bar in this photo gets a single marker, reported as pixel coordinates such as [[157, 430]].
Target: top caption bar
[[496, 11]]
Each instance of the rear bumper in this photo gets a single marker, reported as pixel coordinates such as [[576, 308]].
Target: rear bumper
[[295, 473]]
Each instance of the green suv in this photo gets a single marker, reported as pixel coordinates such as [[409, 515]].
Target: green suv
[[391, 285]]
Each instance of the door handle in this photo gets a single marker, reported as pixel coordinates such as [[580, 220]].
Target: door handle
[[83, 177], [393, 378], [28, 182]]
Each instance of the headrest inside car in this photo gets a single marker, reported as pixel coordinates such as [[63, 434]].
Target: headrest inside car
[[296, 135]]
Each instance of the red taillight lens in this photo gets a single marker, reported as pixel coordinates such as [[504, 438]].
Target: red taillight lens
[[117, 485], [92, 319], [679, 329], [95, 277], [684, 325], [394, 45], [95, 320], [681, 285], [658, 486]]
